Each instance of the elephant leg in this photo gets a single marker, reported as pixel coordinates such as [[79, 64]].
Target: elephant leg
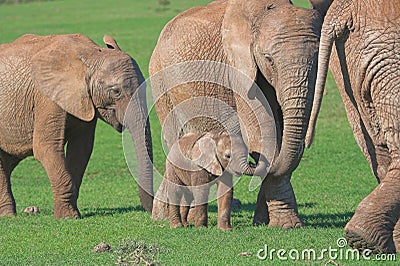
[[184, 215], [396, 236], [174, 191], [261, 216], [281, 203], [372, 226], [48, 149], [200, 194], [174, 196], [201, 215], [185, 207], [373, 223], [225, 198], [7, 202], [79, 148], [160, 203], [200, 207], [62, 184], [174, 216]]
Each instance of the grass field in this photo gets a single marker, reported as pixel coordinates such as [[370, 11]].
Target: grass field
[[331, 180]]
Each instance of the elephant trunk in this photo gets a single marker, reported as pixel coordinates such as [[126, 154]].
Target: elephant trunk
[[137, 122], [240, 164], [325, 49], [295, 101], [248, 168]]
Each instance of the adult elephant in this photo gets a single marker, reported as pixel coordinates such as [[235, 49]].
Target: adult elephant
[[52, 90], [270, 42], [366, 67]]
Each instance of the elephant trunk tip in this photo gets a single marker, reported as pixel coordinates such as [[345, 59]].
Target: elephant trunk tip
[[260, 169], [249, 169]]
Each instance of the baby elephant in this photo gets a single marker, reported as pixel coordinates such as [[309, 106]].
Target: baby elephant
[[193, 165]]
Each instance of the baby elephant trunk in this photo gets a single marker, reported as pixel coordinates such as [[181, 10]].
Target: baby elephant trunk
[[249, 169], [246, 168]]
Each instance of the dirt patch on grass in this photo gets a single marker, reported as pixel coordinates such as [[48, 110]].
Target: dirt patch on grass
[[132, 252]]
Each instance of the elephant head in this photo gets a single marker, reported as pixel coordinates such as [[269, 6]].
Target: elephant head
[[218, 152], [276, 44], [90, 81]]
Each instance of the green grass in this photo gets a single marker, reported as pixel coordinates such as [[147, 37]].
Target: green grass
[[331, 180]]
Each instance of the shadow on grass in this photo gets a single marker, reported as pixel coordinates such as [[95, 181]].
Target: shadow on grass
[[89, 212], [323, 220], [318, 220]]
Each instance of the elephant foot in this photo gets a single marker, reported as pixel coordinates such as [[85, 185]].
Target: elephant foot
[[65, 211], [8, 210], [375, 220], [190, 217], [360, 236], [185, 224], [160, 210], [396, 236], [224, 227], [261, 218], [176, 225], [224, 222], [276, 204], [285, 220]]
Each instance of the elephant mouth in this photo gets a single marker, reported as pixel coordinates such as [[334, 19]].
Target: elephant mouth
[[119, 127], [108, 115], [251, 166]]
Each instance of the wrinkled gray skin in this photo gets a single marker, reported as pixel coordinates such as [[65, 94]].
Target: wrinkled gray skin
[[274, 44], [193, 164], [52, 90], [364, 37]]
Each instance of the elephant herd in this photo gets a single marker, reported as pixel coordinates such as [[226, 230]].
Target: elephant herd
[[232, 79]]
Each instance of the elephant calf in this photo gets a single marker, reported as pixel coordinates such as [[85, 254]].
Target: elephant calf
[[193, 164], [52, 90]]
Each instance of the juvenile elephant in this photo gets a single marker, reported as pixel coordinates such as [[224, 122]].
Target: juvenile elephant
[[366, 67], [269, 44], [52, 90], [194, 163]]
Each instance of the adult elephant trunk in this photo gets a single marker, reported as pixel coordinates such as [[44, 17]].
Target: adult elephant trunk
[[137, 122], [293, 96]]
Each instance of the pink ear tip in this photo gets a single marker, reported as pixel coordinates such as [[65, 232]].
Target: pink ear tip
[[110, 42], [107, 39]]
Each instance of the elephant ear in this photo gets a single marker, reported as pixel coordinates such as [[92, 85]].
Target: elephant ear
[[237, 38], [111, 42], [59, 73], [237, 32], [204, 154]]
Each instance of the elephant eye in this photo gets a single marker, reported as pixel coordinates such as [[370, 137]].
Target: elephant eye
[[269, 59], [114, 92], [227, 155], [270, 62]]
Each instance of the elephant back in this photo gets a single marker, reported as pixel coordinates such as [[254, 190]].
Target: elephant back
[[187, 57]]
